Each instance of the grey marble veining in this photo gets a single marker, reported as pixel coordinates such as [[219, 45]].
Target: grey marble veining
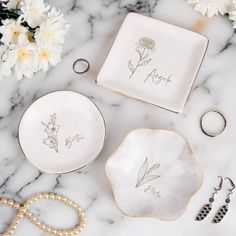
[[94, 24]]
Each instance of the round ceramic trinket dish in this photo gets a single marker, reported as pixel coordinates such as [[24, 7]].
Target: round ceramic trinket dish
[[157, 170], [61, 132]]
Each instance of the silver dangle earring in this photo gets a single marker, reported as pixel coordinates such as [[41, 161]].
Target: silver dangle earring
[[205, 210], [224, 209]]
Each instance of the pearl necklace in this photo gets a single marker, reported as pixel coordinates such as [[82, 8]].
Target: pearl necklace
[[23, 210]]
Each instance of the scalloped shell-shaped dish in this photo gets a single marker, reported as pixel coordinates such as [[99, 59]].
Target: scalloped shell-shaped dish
[[153, 173]]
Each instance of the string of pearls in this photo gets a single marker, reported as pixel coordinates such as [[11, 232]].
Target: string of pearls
[[23, 210]]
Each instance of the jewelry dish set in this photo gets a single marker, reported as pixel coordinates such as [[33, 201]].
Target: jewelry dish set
[[64, 131]]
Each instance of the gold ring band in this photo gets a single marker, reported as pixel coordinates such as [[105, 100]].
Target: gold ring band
[[209, 134], [82, 61]]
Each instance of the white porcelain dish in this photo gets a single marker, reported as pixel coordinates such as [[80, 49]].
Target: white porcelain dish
[[153, 173], [61, 132], [153, 61]]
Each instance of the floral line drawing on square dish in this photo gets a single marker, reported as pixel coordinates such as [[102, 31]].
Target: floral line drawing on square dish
[[144, 47]]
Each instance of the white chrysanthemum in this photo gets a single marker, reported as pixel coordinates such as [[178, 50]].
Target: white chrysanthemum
[[11, 30], [232, 14], [5, 62], [52, 30], [24, 58], [11, 4], [34, 12], [48, 56], [211, 7]]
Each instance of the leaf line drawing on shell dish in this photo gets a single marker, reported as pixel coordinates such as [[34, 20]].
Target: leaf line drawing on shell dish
[[51, 129], [144, 47], [145, 174]]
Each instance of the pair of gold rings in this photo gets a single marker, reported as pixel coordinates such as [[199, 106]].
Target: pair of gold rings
[[81, 66]]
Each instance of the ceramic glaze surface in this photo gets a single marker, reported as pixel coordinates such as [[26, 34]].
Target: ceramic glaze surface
[[94, 26], [144, 62], [157, 170], [56, 132]]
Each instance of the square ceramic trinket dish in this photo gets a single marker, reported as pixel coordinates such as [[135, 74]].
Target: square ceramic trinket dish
[[153, 61]]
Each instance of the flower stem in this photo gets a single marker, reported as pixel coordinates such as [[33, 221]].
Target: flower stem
[[138, 64]]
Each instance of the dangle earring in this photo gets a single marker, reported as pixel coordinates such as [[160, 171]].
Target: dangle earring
[[224, 209], [205, 210]]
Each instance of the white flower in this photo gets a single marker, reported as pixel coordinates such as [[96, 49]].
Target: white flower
[[48, 55], [24, 58], [5, 63], [34, 12], [232, 14], [11, 4], [211, 7], [11, 30], [34, 41], [53, 29]]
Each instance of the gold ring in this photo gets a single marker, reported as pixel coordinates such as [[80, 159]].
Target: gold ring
[[84, 63], [213, 134]]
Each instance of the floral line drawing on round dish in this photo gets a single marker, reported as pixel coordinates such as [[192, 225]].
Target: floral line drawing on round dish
[[145, 174], [144, 44], [72, 139], [51, 129]]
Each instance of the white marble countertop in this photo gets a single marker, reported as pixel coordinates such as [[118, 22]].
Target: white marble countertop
[[94, 25]]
